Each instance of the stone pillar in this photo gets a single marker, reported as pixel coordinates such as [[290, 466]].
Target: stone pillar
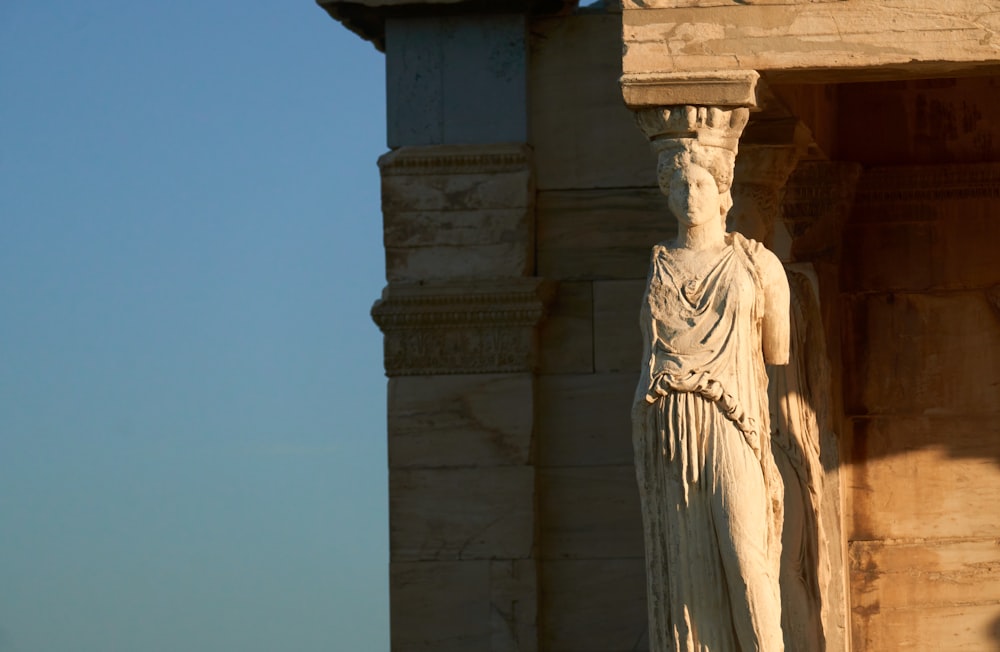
[[801, 399], [459, 316], [804, 446]]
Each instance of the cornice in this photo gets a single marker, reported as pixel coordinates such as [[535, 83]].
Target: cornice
[[456, 159]]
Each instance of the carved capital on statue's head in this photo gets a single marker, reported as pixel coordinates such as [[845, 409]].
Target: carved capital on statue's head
[[709, 126], [695, 135]]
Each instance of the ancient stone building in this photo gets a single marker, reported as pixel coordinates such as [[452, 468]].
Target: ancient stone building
[[520, 204]]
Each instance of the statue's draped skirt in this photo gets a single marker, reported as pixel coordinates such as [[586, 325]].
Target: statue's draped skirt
[[709, 489]]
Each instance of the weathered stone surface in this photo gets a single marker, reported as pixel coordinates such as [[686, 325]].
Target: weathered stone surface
[[464, 420], [456, 79], [583, 420], [617, 340], [924, 477], [925, 228], [929, 595], [594, 605], [921, 122], [600, 234], [458, 606], [717, 88], [458, 211], [445, 262], [590, 513], [566, 337], [891, 38], [575, 65], [919, 354], [456, 178], [459, 514], [456, 228], [440, 606], [513, 605]]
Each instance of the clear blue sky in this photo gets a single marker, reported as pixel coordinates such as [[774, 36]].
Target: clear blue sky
[[192, 438]]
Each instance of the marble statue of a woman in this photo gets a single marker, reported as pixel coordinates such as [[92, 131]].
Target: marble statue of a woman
[[715, 310]]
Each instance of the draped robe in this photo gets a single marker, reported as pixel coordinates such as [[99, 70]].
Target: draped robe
[[711, 495]]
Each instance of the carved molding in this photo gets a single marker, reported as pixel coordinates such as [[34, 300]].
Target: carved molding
[[461, 327], [818, 199], [456, 159]]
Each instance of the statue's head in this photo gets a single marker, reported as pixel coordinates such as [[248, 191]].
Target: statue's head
[[695, 137], [688, 171]]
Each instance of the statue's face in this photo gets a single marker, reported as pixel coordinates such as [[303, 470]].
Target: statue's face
[[694, 196]]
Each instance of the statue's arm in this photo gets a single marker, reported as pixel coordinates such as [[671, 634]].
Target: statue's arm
[[776, 328]]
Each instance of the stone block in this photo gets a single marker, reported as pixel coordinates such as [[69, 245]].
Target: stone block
[[456, 79], [924, 477], [594, 605], [584, 420], [922, 354], [476, 420], [514, 605], [617, 340], [930, 594], [890, 256], [574, 95], [458, 211], [456, 228], [466, 605], [808, 41], [566, 336], [507, 259], [729, 88], [600, 234], [590, 513], [461, 514], [458, 191], [440, 606]]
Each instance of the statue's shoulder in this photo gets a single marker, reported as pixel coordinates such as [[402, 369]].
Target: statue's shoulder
[[661, 250], [767, 264], [755, 251]]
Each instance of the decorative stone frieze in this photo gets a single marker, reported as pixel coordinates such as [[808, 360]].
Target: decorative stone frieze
[[818, 198], [461, 327], [887, 185]]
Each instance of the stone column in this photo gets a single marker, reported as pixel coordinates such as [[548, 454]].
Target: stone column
[[817, 200], [459, 316], [715, 113], [805, 445]]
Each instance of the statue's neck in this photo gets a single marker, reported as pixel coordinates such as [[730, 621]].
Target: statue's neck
[[709, 235]]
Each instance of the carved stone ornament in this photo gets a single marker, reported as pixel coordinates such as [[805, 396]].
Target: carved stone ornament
[[460, 327], [715, 310], [489, 158]]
